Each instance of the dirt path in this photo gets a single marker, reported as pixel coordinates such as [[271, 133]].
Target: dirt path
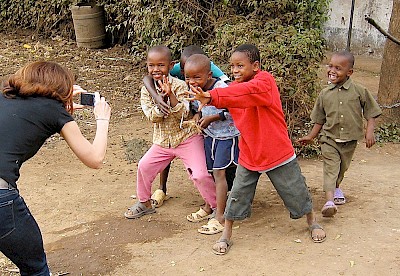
[[80, 211]]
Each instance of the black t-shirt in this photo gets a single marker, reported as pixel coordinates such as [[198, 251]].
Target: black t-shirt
[[25, 124]]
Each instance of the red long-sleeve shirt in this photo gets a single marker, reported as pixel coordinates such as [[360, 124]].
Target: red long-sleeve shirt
[[257, 112]]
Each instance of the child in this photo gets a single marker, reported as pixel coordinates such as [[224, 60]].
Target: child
[[254, 103], [160, 195], [178, 69], [338, 117], [221, 137], [170, 138]]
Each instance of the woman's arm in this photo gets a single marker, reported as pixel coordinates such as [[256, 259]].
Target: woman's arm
[[91, 154]]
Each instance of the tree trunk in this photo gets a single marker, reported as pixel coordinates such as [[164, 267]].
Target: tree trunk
[[389, 84]]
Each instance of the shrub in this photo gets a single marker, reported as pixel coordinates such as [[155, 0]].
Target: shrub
[[288, 34]]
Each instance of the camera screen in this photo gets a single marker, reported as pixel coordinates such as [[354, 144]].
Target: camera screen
[[87, 99]]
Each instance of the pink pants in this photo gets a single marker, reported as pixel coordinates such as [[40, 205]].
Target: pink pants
[[191, 152]]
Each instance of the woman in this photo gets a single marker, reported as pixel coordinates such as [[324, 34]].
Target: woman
[[35, 103]]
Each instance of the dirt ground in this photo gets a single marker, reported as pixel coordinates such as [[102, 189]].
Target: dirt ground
[[80, 210]]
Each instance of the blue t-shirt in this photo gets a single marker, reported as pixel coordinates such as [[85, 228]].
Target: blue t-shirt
[[221, 130], [217, 73]]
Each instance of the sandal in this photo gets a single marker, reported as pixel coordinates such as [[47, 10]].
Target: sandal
[[138, 210], [338, 197], [221, 250], [329, 209], [212, 227], [316, 239], [158, 198], [200, 215]]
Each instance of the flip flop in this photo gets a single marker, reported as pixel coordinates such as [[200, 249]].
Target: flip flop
[[212, 227], [329, 209], [338, 197], [218, 250], [200, 215], [138, 210], [313, 227], [158, 198]]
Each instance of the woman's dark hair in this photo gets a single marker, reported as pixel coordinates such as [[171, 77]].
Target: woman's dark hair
[[250, 50], [42, 78]]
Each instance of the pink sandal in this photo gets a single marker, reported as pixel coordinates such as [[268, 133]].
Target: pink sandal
[[338, 197], [329, 209]]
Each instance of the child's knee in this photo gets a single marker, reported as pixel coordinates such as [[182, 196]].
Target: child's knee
[[199, 176]]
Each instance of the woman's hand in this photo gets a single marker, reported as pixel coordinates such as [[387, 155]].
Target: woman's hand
[[102, 110], [77, 90]]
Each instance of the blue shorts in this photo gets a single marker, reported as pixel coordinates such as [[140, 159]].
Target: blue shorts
[[220, 154]]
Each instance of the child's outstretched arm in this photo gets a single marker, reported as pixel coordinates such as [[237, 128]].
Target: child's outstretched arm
[[162, 105], [310, 137], [369, 134], [203, 97]]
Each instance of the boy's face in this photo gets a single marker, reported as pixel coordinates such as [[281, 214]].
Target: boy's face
[[158, 64], [196, 75], [339, 69], [242, 69]]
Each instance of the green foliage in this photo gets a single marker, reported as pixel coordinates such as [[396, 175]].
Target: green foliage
[[388, 133], [44, 17], [288, 34]]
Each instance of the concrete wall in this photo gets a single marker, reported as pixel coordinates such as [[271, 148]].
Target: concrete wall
[[365, 39]]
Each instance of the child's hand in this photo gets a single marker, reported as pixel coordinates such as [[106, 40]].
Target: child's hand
[[204, 122], [370, 139], [305, 140], [196, 117], [203, 97], [161, 104], [369, 134], [165, 86]]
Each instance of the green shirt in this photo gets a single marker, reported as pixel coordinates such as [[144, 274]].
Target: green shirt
[[340, 110]]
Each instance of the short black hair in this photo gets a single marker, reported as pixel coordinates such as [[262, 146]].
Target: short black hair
[[191, 50], [161, 49], [201, 61], [250, 50], [349, 56]]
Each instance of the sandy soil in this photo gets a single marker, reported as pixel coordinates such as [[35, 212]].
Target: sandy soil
[[80, 211]]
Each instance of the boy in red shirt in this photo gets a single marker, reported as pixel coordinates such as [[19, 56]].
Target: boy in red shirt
[[254, 102]]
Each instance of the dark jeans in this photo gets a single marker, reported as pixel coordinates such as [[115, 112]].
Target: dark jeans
[[20, 237]]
